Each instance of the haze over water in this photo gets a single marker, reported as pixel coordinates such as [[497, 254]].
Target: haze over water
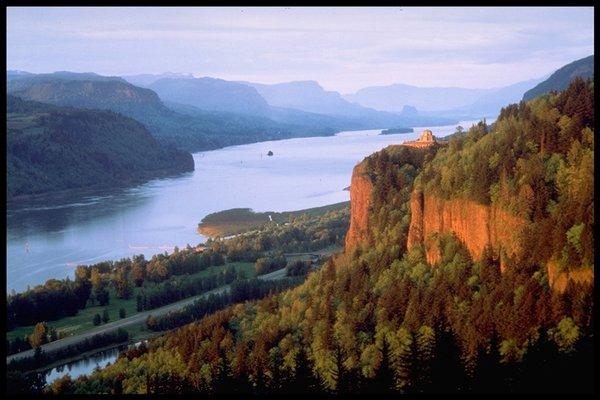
[[49, 239]]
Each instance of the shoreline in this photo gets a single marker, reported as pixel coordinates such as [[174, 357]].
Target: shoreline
[[90, 353], [81, 191], [238, 221]]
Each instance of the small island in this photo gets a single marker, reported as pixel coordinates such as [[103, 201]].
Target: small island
[[393, 131], [270, 153]]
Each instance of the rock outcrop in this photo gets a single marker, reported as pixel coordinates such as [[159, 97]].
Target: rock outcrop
[[475, 225], [360, 197]]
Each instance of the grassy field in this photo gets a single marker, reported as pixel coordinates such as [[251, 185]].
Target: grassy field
[[239, 220], [83, 320]]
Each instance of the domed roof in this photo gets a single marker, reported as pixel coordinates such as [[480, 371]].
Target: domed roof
[[426, 136]]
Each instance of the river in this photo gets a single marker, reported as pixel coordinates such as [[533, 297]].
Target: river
[[48, 239]]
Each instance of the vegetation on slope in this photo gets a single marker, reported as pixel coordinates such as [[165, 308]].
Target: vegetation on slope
[[239, 220], [55, 148], [538, 163], [561, 78]]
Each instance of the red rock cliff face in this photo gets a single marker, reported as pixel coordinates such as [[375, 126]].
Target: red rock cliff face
[[475, 225], [360, 197]]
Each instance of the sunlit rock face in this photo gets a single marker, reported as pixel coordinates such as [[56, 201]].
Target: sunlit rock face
[[360, 196], [475, 225]]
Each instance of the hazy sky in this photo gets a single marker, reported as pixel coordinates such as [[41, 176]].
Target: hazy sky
[[344, 49]]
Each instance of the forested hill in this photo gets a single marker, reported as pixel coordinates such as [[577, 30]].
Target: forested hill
[[383, 318], [560, 79], [192, 129], [53, 148]]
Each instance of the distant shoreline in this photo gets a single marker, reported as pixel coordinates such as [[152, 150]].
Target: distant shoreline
[[82, 191], [393, 131], [239, 220]]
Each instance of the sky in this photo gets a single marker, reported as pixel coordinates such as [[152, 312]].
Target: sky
[[344, 49]]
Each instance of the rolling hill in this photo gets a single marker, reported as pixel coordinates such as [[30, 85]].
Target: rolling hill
[[52, 148]]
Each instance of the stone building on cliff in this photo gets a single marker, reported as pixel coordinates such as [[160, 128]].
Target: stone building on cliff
[[427, 139]]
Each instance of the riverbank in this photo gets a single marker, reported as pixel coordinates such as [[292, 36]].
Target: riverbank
[[147, 335], [240, 220], [95, 190]]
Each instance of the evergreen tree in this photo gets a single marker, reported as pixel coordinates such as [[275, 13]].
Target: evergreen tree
[[39, 336]]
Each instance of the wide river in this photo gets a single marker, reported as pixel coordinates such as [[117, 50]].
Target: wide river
[[49, 239]]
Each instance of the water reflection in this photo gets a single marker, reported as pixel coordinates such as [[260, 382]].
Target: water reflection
[[89, 364], [85, 366]]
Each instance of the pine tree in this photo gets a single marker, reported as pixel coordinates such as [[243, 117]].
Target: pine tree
[[385, 380], [105, 316]]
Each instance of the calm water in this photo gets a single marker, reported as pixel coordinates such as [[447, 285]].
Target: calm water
[[48, 240], [86, 365]]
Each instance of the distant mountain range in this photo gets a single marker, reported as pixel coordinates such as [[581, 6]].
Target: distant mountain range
[[206, 113], [190, 128], [311, 97], [393, 98], [211, 94], [560, 79], [442, 101]]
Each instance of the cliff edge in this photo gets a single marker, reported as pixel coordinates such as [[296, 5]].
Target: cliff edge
[[360, 197]]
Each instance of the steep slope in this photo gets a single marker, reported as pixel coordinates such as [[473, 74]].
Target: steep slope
[[501, 189], [212, 95], [475, 225], [54, 148], [559, 80], [144, 80], [115, 95], [360, 197]]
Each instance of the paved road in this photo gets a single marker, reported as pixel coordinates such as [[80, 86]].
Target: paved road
[[133, 320]]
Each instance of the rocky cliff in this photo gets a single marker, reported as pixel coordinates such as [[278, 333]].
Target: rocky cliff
[[475, 225], [360, 197]]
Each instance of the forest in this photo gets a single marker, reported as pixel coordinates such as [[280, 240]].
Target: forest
[[380, 319], [54, 148]]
